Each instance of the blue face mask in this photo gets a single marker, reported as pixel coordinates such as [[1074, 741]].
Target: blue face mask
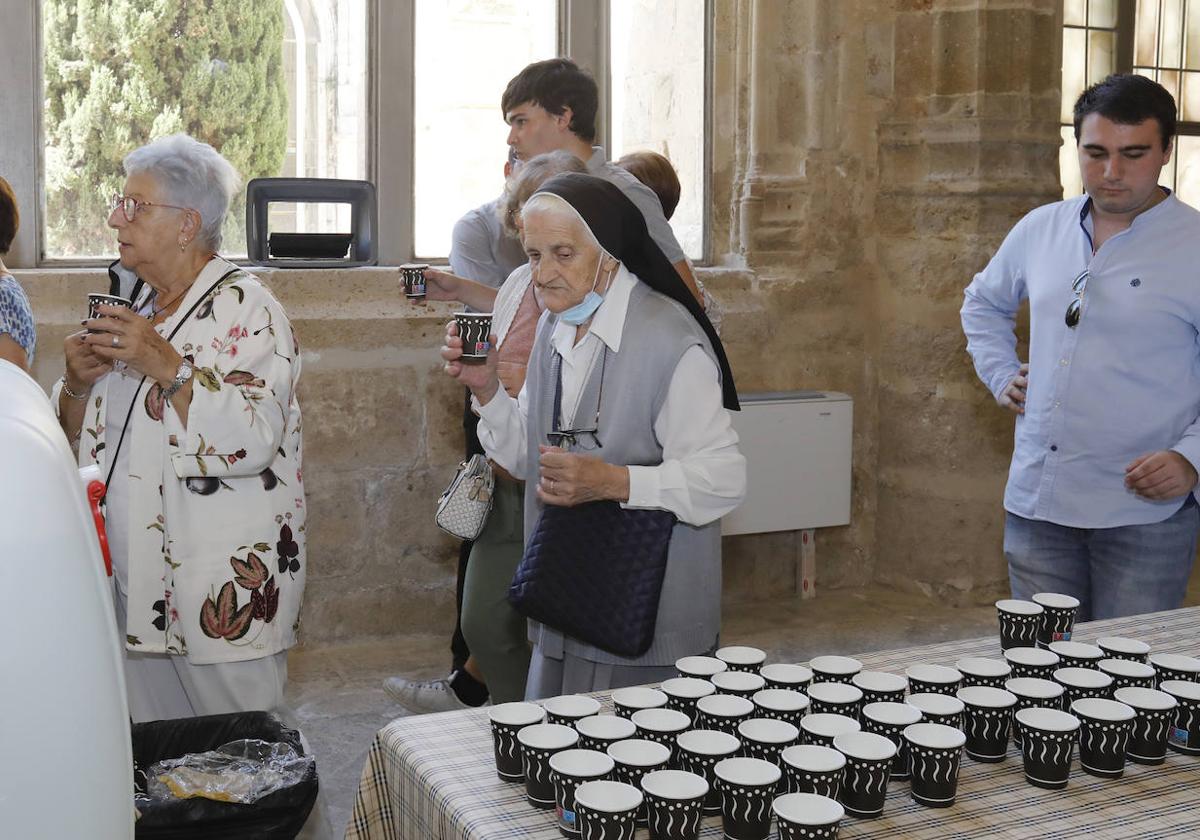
[[578, 314]]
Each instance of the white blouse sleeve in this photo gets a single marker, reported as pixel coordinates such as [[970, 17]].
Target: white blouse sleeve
[[502, 431]]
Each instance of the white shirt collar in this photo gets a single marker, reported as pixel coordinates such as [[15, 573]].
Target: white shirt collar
[[608, 324]]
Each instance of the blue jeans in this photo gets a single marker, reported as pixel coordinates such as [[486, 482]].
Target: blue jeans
[[1113, 572]]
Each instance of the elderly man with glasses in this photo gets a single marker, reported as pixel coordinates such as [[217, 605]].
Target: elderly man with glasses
[[1099, 499]]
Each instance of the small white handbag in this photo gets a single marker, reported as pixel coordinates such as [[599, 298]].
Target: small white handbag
[[463, 508]]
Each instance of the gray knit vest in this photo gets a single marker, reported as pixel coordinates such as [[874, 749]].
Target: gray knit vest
[[656, 334]]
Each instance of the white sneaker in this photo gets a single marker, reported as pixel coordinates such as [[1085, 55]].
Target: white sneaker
[[422, 698]]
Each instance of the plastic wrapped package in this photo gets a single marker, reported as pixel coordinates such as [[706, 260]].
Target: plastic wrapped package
[[241, 771]]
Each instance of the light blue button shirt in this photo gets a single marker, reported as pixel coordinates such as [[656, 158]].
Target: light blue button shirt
[[1123, 383]]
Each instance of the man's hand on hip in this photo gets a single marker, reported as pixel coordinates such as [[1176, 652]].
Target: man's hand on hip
[[1013, 396], [1160, 475]]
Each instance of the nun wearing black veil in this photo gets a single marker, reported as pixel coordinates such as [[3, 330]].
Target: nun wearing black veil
[[626, 403]]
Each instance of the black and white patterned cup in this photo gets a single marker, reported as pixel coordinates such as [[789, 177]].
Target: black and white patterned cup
[[933, 679], [507, 719], [1184, 736], [662, 725], [699, 667], [607, 810], [747, 788], [1032, 662], [1127, 673], [1076, 654], [987, 718], [890, 720], [474, 328], [1120, 647], [935, 752], [822, 729], [1032, 692], [1174, 666], [868, 767], [766, 738], [834, 668], [938, 708], [626, 701], [568, 770], [412, 275], [780, 704], [1058, 618], [635, 758], [981, 671], [1019, 622], [880, 686], [96, 299], [1079, 683], [683, 692], [1047, 745], [742, 658], [538, 743], [1155, 715], [835, 699], [809, 768], [674, 804], [599, 731], [699, 752], [738, 683], [806, 816], [784, 675], [569, 708], [723, 712], [1104, 727]]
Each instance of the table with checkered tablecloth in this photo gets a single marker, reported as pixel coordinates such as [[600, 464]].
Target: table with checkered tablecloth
[[433, 777]]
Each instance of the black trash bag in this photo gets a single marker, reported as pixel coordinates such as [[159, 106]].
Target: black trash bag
[[277, 816]]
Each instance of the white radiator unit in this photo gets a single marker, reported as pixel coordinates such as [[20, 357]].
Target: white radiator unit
[[797, 449]]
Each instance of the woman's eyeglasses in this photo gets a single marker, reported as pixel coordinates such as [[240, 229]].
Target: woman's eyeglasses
[[1075, 307], [131, 206]]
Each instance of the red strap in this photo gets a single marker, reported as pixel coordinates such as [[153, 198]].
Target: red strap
[[95, 492]]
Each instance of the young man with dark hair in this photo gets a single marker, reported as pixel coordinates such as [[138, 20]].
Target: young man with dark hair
[[1099, 498]]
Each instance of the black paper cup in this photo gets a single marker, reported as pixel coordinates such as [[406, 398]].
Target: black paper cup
[[933, 679], [635, 758], [569, 708], [890, 720], [599, 731], [1019, 622], [699, 752], [699, 667], [1120, 647], [938, 708], [765, 739], [662, 725], [1184, 736], [1058, 620], [834, 668], [1047, 743], [782, 675], [568, 770], [95, 299], [683, 692], [835, 699], [1032, 662], [1155, 716], [1032, 692], [474, 328], [747, 788], [738, 683], [1174, 666], [1079, 683], [806, 816], [742, 658], [809, 768], [1127, 673], [780, 704], [674, 804], [822, 729], [1104, 727], [412, 275], [607, 810], [538, 743], [626, 701], [868, 766], [935, 752], [981, 671], [507, 719], [880, 687], [723, 712], [987, 718], [1076, 654]]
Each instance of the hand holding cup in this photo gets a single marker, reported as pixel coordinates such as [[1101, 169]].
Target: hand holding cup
[[480, 378]]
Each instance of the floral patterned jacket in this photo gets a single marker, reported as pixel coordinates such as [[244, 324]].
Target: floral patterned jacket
[[217, 511]]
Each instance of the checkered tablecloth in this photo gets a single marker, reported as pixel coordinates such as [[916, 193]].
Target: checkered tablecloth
[[432, 777]]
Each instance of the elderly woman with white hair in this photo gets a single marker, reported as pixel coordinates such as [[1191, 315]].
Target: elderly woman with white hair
[[625, 402], [187, 404]]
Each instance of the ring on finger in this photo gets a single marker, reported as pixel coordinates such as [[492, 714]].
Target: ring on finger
[[116, 341], [552, 485]]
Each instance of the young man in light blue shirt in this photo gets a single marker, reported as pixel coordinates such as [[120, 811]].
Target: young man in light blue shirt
[[1099, 500]]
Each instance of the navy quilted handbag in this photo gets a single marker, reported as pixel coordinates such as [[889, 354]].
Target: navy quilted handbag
[[595, 572]]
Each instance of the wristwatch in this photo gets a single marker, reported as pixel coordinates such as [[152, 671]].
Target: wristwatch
[[181, 377]]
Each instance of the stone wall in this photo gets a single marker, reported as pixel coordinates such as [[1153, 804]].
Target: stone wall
[[868, 155]]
